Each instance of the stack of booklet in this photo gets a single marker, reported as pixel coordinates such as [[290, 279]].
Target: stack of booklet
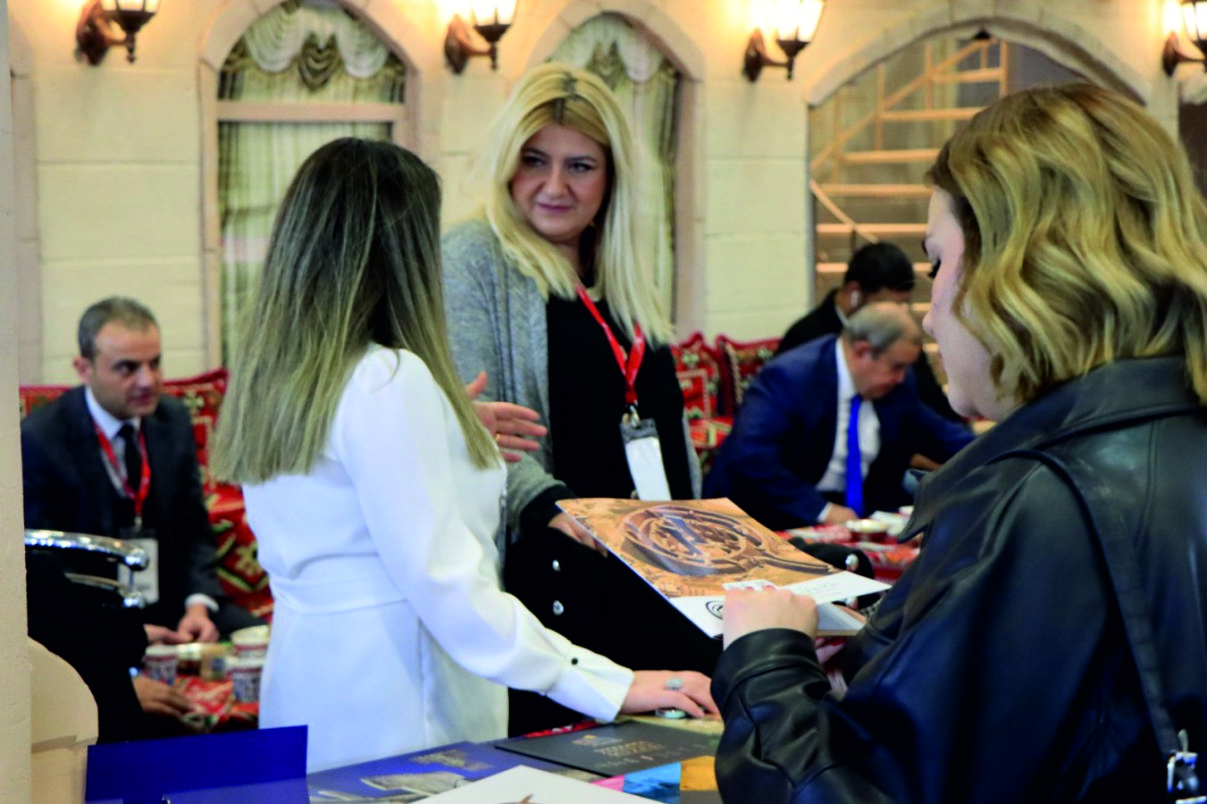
[[604, 763]]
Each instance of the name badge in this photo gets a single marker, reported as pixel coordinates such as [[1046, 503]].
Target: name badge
[[146, 581], [644, 454]]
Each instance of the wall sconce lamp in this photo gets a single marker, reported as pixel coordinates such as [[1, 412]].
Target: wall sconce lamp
[[93, 33], [1194, 15], [794, 25], [491, 20]]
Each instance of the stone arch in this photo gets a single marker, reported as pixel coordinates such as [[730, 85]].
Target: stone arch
[[401, 34], [25, 197], [1062, 40], [20, 51], [664, 31], [689, 60]]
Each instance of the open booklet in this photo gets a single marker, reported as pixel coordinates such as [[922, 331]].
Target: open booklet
[[693, 551]]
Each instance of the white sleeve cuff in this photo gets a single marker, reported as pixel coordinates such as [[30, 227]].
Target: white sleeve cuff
[[204, 600], [591, 684]]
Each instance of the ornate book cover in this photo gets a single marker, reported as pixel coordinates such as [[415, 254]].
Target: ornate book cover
[[615, 749], [419, 775], [693, 551]]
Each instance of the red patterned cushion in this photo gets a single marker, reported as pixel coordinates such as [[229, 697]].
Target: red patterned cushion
[[32, 397], [741, 361], [202, 395], [239, 567], [699, 373], [707, 436]]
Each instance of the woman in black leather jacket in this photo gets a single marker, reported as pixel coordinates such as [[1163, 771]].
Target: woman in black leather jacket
[[1070, 304]]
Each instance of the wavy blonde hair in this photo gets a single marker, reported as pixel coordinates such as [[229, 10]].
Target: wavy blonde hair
[[556, 94], [1084, 238], [354, 260]]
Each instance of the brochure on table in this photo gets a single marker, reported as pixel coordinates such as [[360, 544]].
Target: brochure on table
[[416, 776], [523, 785], [693, 551], [616, 748]]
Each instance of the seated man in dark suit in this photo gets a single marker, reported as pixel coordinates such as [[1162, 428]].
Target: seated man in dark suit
[[791, 455], [113, 458], [876, 272]]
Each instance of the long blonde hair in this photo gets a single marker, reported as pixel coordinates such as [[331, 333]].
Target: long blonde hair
[[1084, 237], [354, 259], [556, 94]]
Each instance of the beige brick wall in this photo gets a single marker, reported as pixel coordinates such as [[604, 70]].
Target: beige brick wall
[[118, 147], [14, 655]]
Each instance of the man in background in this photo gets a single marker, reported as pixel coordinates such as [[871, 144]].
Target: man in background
[[113, 457], [877, 272], [826, 431]]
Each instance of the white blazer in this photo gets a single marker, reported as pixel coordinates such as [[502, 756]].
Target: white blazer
[[390, 633]]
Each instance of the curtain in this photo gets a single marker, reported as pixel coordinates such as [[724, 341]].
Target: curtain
[[646, 84], [300, 52]]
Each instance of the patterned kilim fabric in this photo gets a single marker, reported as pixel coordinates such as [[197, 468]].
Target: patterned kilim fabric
[[741, 361], [238, 568], [699, 373], [699, 369]]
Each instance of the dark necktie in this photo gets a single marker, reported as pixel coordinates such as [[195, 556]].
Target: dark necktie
[[854, 493], [129, 436]]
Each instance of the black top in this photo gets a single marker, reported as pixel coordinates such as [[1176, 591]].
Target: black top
[[586, 402], [824, 320], [595, 601]]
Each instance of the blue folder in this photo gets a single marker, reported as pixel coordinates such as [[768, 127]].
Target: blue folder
[[182, 768]]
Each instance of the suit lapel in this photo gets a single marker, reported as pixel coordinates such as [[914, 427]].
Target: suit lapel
[[86, 451], [824, 396]]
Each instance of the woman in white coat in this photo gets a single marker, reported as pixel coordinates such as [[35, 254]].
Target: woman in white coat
[[375, 492]]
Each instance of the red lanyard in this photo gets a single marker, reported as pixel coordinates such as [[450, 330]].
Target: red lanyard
[[144, 482], [628, 364]]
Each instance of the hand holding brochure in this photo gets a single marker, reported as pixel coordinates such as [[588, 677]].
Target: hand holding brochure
[[693, 551]]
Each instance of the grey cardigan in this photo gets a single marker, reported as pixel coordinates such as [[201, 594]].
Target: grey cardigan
[[496, 322]]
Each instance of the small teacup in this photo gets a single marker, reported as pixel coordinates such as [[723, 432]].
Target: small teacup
[[871, 530], [245, 673], [251, 641], [159, 663]]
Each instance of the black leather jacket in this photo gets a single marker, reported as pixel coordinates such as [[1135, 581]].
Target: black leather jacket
[[996, 669]]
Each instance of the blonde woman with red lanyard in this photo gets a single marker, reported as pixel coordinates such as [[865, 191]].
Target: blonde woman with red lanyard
[[547, 292]]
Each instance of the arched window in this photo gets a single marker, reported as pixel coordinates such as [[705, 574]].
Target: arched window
[[647, 85], [871, 141], [303, 74]]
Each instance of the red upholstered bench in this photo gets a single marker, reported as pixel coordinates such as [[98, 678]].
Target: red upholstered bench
[[238, 569], [740, 362], [699, 370]]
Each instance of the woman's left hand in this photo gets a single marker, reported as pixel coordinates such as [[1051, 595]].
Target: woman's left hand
[[662, 689], [513, 426], [750, 610]]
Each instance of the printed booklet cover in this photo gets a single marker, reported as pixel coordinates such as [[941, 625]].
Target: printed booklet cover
[[692, 781], [693, 551], [617, 748], [417, 776]]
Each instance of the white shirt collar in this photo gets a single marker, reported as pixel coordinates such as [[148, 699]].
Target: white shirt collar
[[841, 315], [105, 420], [846, 385]]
